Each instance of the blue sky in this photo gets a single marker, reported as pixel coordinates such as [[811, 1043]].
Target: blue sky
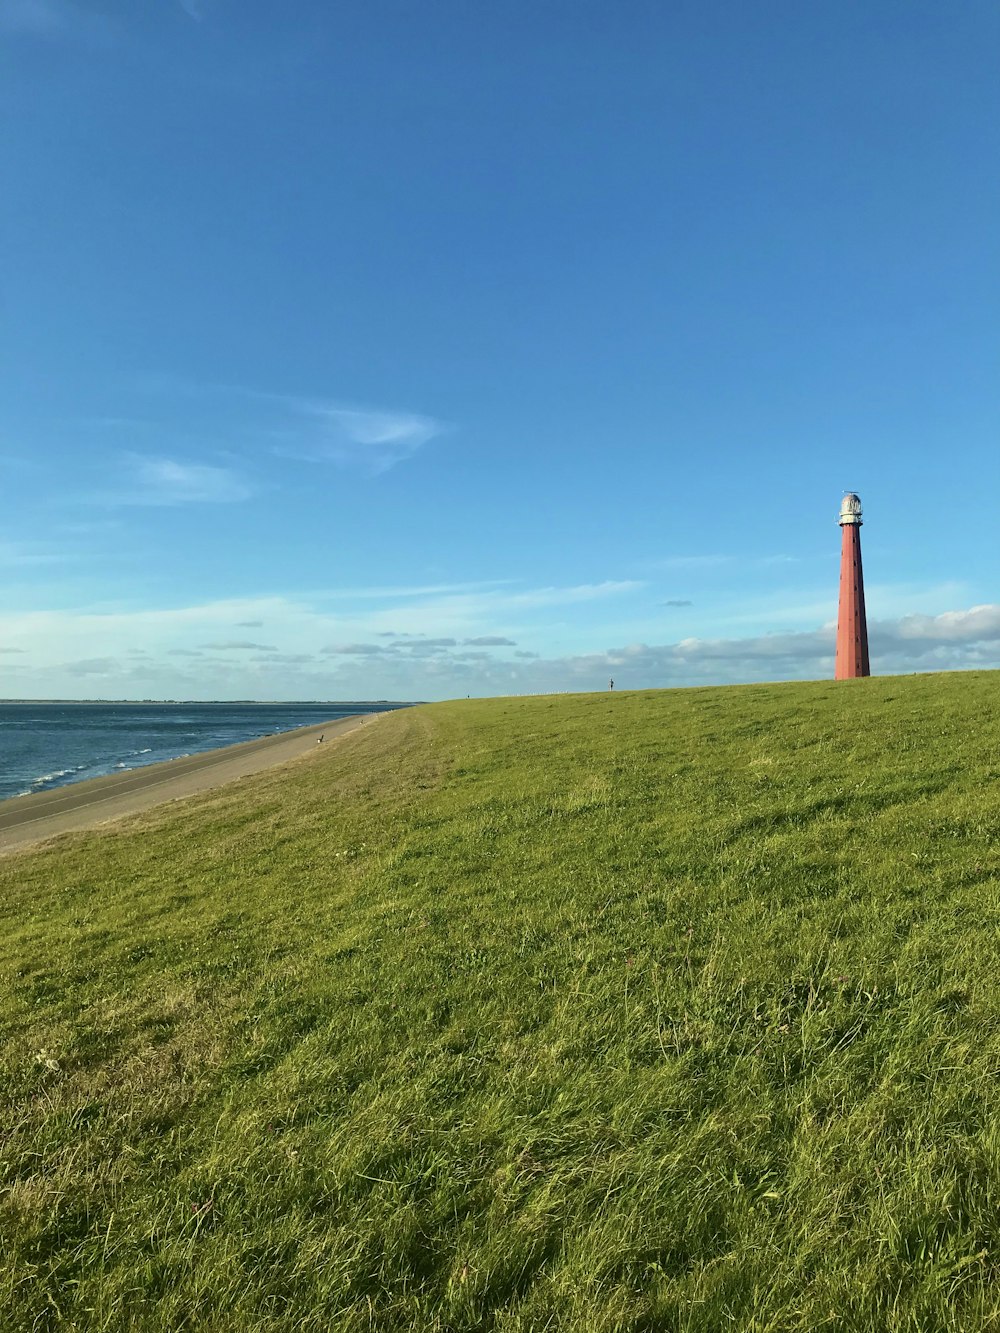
[[411, 349]]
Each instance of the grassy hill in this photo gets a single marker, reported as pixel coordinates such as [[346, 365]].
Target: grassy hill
[[649, 1011]]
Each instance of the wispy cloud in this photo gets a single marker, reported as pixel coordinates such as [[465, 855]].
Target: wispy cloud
[[703, 563], [691, 562], [152, 480], [370, 440], [464, 612], [677, 601], [181, 417], [311, 428], [192, 8], [491, 641], [581, 592], [396, 592], [239, 645], [28, 553], [812, 605], [54, 20]]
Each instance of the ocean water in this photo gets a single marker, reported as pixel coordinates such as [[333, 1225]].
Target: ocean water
[[45, 745]]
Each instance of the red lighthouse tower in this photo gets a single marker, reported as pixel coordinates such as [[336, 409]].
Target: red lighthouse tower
[[852, 628]]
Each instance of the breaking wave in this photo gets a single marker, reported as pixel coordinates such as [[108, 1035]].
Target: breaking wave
[[53, 779]]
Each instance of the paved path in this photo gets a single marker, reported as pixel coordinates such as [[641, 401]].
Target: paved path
[[82, 805]]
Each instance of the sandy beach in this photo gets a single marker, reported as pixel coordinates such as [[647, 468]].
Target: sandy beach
[[83, 805]]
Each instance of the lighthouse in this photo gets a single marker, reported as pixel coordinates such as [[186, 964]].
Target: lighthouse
[[852, 628]]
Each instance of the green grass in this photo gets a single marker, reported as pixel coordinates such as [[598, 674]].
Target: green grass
[[651, 1011]]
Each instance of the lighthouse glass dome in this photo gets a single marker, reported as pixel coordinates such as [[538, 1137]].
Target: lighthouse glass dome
[[850, 508]]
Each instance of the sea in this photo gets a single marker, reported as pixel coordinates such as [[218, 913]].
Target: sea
[[46, 745]]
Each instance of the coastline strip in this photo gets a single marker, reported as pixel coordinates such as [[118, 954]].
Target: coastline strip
[[83, 805]]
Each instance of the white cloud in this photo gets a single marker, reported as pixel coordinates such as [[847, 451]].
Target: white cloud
[[168, 481], [497, 601], [422, 627], [309, 429], [313, 429], [401, 591], [370, 440], [427, 647], [980, 624], [954, 640], [467, 611], [582, 592]]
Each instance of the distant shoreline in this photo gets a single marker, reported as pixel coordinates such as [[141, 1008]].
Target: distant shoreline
[[187, 703]]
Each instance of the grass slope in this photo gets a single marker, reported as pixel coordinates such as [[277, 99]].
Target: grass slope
[[651, 1011]]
